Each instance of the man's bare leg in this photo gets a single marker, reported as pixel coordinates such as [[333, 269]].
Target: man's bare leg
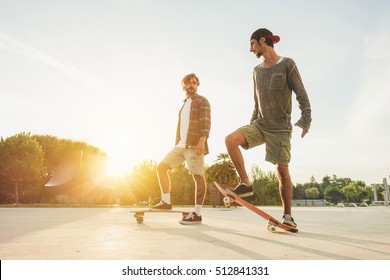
[[285, 187], [165, 186], [200, 189], [233, 142], [200, 193], [163, 178]]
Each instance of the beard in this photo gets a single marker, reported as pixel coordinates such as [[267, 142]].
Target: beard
[[259, 54], [191, 91]]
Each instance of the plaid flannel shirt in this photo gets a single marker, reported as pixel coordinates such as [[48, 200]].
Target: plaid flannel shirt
[[200, 122]]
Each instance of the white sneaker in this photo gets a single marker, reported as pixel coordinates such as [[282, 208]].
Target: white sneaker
[[288, 220]]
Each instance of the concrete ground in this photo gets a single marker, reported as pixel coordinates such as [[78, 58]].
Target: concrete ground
[[326, 233]]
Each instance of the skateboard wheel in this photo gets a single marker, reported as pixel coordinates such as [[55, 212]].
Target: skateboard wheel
[[271, 227], [140, 220], [226, 201]]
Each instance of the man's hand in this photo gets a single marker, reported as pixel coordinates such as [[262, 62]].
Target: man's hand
[[200, 148], [304, 132]]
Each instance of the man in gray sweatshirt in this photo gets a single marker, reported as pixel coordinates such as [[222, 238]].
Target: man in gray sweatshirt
[[274, 81]]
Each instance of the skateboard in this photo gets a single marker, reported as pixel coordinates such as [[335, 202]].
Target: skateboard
[[272, 222], [140, 213]]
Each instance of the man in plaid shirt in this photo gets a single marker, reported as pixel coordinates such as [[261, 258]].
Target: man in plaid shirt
[[191, 146]]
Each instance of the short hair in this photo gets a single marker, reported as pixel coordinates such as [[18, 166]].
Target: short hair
[[188, 77], [270, 39]]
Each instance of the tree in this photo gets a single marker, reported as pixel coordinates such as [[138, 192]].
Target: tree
[[356, 192], [333, 194], [144, 182], [22, 168], [299, 191], [307, 190], [312, 193], [75, 171], [51, 148], [379, 192], [266, 187], [271, 193], [222, 171], [183, 186], [326, 181]]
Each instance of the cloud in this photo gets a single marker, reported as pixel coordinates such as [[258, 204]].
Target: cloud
[[16, 46]]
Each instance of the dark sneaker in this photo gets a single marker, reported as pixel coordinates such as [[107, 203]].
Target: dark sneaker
[[242, 190], [162, 205], [288, 220], [191, 219]]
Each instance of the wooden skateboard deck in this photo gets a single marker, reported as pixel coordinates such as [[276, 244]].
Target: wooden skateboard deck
[[272, 222], [140, 213]]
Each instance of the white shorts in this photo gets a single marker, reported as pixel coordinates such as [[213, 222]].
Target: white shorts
[[178, 155]]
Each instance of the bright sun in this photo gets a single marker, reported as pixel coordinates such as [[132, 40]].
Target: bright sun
[[120, 159], [123, 152], [118, 166]]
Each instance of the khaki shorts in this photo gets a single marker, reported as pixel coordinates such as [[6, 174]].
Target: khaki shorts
[[178, 155], [277, 144]]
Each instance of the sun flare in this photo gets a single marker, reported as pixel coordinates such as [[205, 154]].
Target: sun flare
[[118, 167]]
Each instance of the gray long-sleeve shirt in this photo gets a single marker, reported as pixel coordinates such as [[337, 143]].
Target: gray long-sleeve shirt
[[273, 97]]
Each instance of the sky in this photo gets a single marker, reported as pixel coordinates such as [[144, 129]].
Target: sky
[[109, 73]]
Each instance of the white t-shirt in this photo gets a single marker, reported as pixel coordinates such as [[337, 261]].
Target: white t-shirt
[[184, 123]]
